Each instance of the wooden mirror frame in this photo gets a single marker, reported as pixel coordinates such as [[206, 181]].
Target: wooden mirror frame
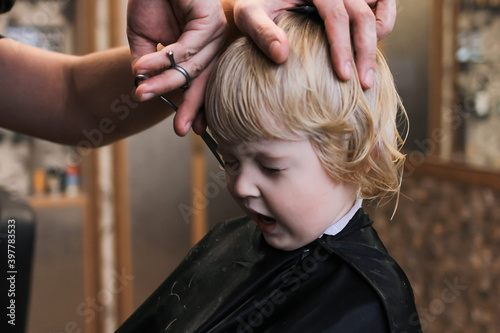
[[444, 13]]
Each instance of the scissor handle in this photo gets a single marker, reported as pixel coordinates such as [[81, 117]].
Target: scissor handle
[[139, 78]]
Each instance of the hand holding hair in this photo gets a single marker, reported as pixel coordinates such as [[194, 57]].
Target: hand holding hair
[[370, 20], [195, 32]]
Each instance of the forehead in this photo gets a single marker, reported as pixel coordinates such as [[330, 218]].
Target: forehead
[[276, 148]]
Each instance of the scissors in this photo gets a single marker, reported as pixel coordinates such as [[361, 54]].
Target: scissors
[[207, 138]]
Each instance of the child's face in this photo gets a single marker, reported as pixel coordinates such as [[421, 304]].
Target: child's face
[[283, 186]]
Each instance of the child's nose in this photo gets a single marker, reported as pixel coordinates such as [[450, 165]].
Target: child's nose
[[245, 185]]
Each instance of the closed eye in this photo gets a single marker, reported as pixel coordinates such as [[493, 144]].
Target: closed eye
[[231, 166], [270, 170]]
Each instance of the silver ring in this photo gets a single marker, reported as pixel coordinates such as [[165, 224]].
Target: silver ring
[[139, 78], [178, 68]]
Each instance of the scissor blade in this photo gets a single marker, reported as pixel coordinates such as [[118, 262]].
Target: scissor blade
[[172, 105], [212, 145]]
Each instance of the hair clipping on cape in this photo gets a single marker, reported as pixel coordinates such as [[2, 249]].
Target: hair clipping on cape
[[309, 11]]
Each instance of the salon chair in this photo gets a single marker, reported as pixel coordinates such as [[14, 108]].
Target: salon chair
[[13, 209]]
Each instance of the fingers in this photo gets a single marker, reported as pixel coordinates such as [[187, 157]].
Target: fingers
[[188, 113], [253, 20], [200, 123], [161, 79], [337, 25], [342, 17], [193, 30], [386, 17], [365, 40]]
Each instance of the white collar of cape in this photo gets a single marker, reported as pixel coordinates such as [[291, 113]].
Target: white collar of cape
[[337, 227]]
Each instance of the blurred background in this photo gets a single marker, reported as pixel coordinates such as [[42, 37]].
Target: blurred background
[[111, 223]]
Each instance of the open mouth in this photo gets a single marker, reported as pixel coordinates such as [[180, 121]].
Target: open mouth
[[266, 224], [266, 219]]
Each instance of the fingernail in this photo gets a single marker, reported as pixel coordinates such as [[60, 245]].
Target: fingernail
[[348, 70], [274, 49], [369, 78], [147, 96], [273, 45], [188, 127]]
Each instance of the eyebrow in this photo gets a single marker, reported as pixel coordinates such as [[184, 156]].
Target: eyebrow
[[260, 154], [271, 156], [274, 155]]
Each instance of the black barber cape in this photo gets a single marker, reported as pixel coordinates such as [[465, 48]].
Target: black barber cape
[[233, 281]]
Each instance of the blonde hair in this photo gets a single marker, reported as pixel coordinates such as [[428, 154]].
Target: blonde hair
[[353, 132]]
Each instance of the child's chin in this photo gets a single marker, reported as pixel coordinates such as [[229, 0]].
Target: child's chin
[[280, 244]]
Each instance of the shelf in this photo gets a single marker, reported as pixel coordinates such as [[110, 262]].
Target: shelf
[[457, 173], [51, 202]]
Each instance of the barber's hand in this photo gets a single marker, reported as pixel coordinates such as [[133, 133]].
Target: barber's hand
[[193, 30], [370, 20]]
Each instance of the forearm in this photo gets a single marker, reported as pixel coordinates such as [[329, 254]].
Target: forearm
[[104, 93], [31, 85], [60, 97]]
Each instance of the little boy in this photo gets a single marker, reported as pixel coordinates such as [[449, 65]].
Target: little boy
[[301, 150]]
